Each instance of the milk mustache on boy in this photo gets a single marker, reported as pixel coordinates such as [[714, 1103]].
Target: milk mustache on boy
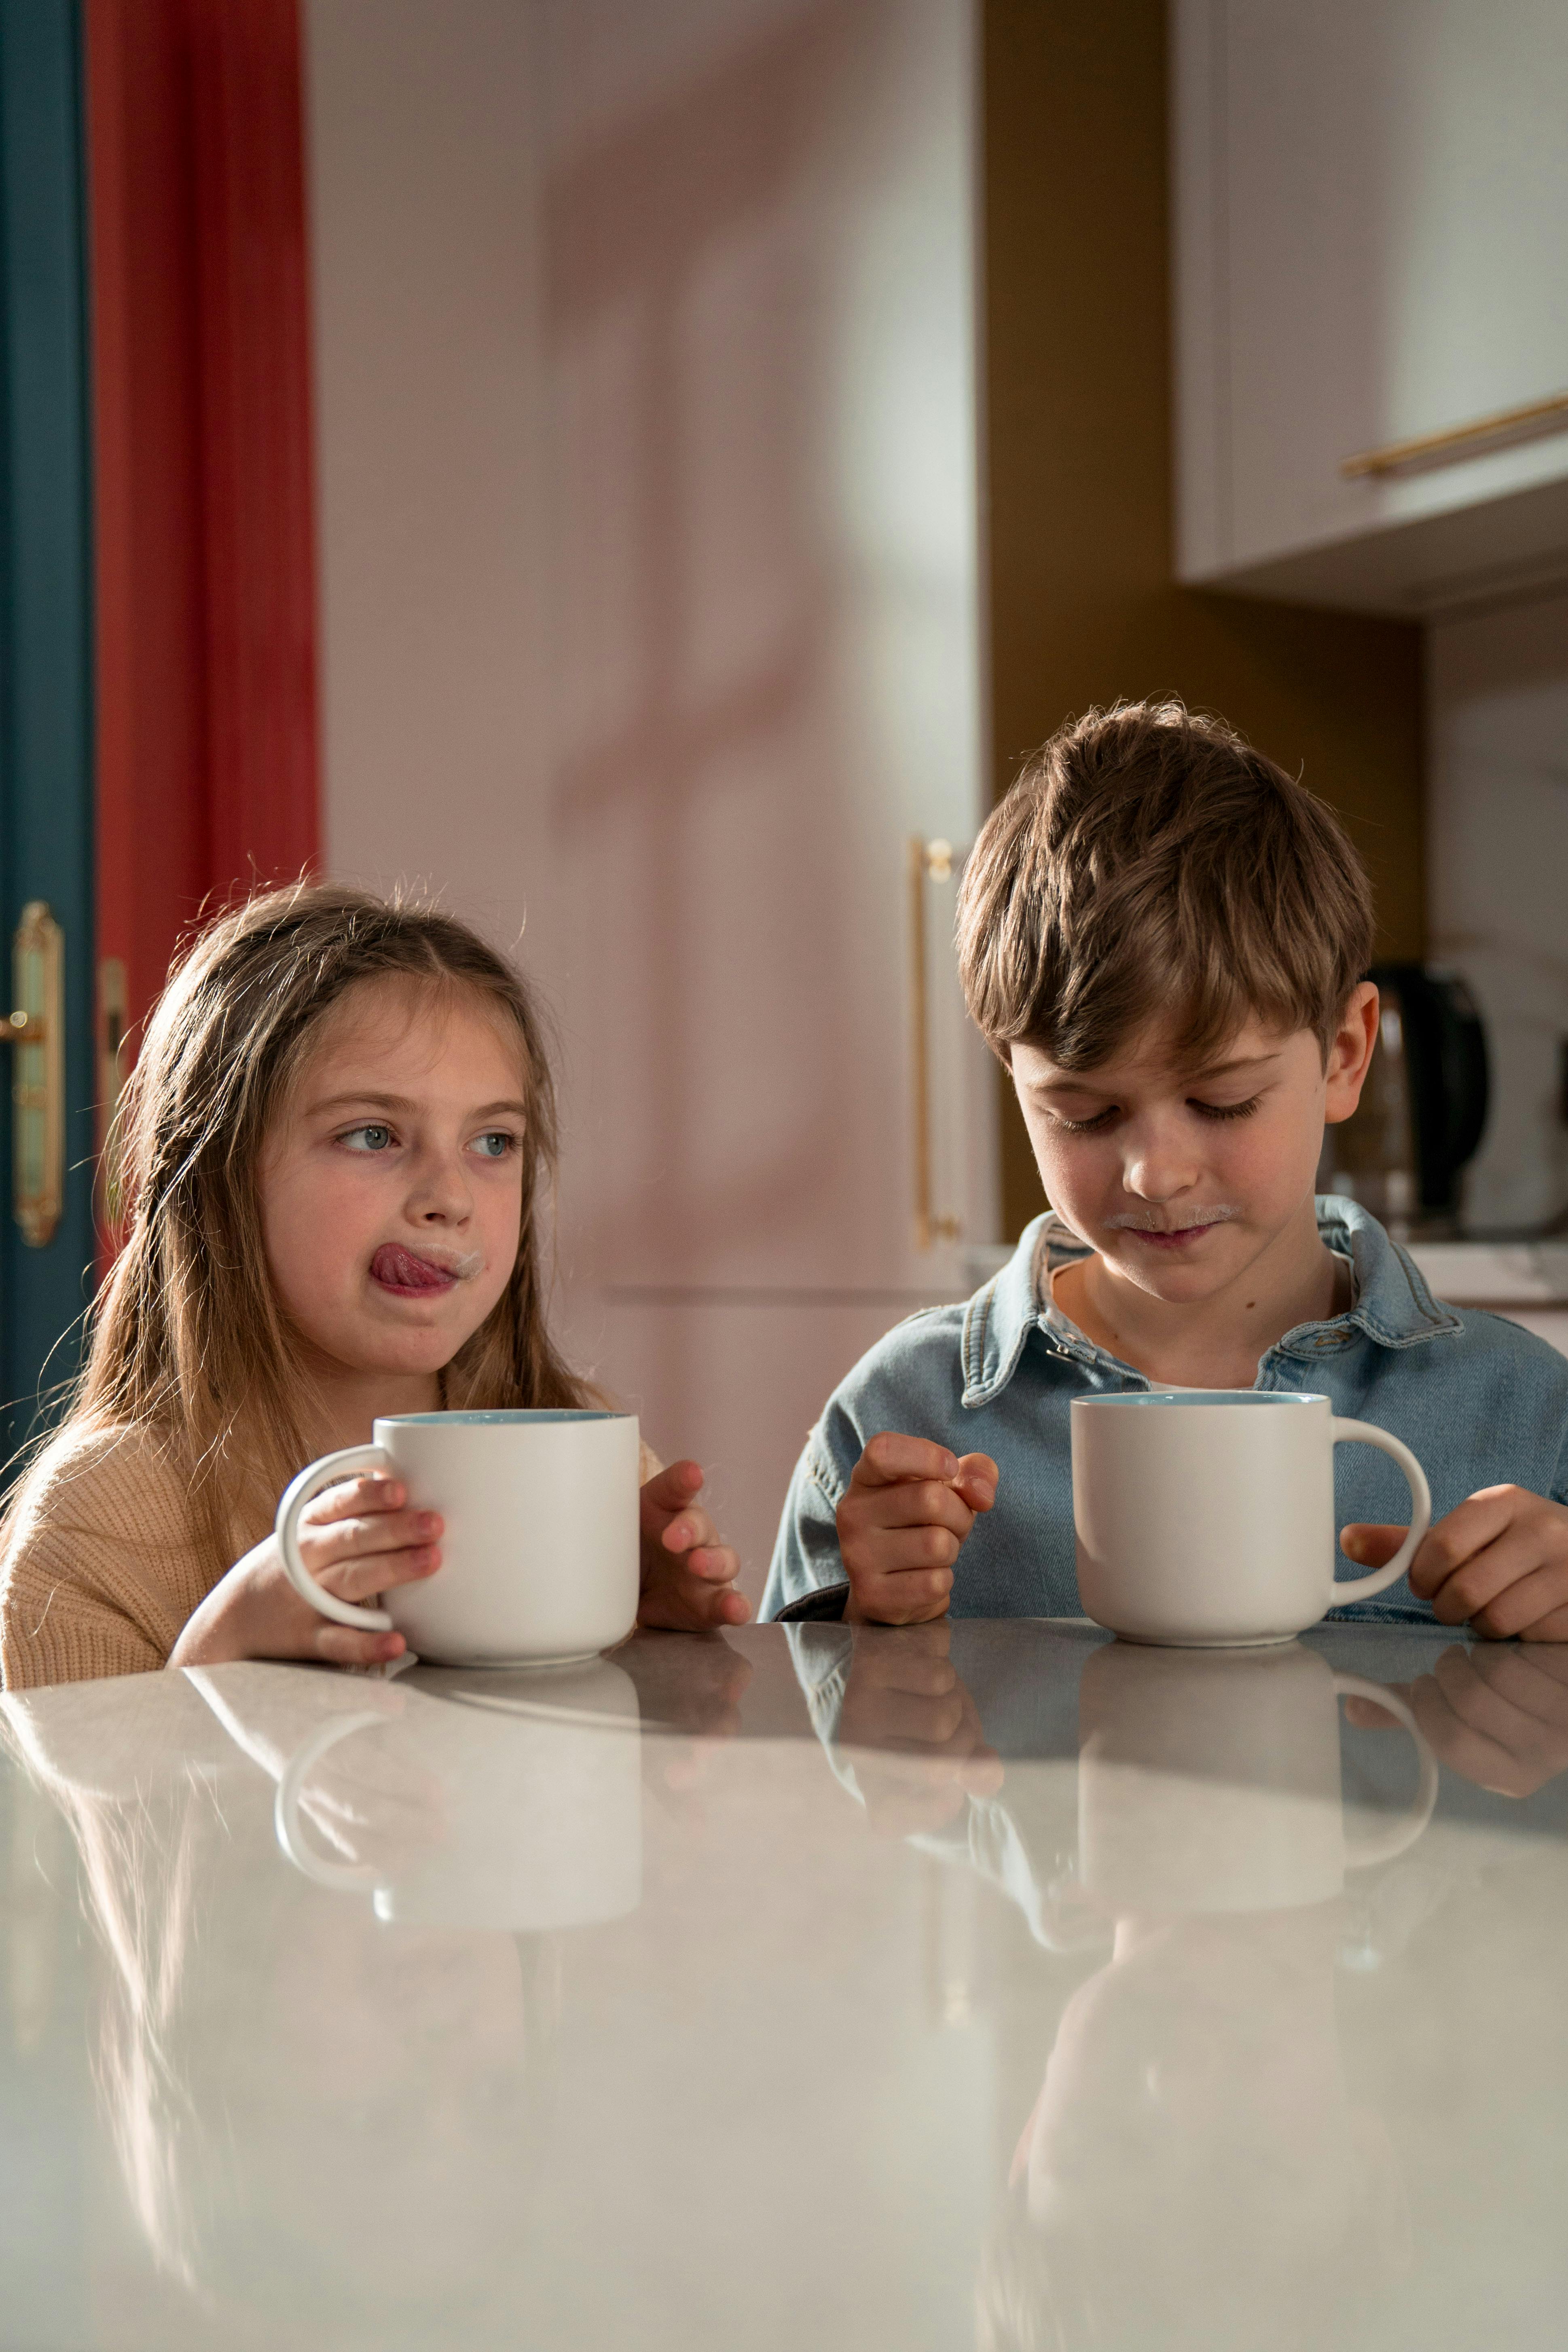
[[1162, 937]]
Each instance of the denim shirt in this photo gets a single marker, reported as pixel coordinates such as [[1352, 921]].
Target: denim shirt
[[1481, 1402]]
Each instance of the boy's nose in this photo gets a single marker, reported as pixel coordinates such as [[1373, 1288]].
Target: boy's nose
[[1156, 1174]]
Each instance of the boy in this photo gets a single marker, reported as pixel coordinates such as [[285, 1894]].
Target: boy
[[1160, 935]]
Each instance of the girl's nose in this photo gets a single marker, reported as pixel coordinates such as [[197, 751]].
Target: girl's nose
[[439, 1192]]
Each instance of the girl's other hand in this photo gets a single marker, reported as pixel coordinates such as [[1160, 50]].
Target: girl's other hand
[[357, 1539], [688, 1575]]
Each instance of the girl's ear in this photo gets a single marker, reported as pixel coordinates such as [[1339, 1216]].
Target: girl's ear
[[1350, 1052]]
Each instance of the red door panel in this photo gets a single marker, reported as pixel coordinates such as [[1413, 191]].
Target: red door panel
[[207, 762]]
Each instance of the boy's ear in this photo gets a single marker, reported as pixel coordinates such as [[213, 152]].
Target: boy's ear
[[1350, 1052]]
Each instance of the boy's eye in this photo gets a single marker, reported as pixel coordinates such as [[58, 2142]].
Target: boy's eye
[[1227, 1110], [1086, 1126], [494, 1143], [1205, 1110], [370, 1137]]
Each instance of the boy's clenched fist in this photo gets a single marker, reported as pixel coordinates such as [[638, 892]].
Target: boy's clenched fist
[[905, 1514]]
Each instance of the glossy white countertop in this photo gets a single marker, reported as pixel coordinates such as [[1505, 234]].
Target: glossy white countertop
[[990, 1985], [1495, 1274]]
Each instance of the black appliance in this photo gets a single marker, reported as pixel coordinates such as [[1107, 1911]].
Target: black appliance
[[1424, 1107]]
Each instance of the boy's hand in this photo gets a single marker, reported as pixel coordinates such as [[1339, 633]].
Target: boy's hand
[[907, 1510], [904, 1699], [1499, 1562], [358, 1539], [1499, 1717], [688, 1575]]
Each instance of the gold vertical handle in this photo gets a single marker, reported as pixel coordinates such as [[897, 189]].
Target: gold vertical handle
[[37, 1030], [932, 861]]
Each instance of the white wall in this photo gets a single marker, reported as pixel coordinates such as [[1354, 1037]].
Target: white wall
[[1498, 885], [644, 368], [428, 394]]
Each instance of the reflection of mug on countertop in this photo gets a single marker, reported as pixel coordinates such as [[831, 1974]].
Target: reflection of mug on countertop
[[537, 1815], [1205, 1518], [1211, 1783], [540, 1552]]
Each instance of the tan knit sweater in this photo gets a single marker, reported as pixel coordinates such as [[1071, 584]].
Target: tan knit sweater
[[103, 1562]]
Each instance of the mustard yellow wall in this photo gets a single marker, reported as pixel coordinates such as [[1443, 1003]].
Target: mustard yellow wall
[[1083, 607]]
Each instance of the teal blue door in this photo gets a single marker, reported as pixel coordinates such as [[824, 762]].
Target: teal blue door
[[46, 661]]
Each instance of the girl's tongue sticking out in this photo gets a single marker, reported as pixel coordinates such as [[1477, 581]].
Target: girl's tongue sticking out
[[399, 1270]]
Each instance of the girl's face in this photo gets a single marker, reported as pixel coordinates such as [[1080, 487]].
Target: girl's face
[[392, 1182]]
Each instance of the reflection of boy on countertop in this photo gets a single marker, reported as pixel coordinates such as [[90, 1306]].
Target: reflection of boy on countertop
[[1162, 935]]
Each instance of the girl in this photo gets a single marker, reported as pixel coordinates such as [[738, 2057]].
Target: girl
[[333, 1143]]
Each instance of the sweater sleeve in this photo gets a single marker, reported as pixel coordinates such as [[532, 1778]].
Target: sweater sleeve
[[100, 1566]]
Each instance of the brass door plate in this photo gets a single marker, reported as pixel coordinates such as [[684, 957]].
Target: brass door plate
[[36, 1029]]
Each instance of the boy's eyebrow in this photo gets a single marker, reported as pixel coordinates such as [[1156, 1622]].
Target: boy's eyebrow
[[368, 1100], [1241, 1062], [1087, 1083]]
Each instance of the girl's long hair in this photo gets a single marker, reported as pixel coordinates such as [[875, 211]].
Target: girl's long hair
[[187, 1337]]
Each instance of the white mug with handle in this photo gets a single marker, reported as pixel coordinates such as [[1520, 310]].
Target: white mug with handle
[[532, 1815], [540, 1555], [1210, 1781], [1205, 1518]]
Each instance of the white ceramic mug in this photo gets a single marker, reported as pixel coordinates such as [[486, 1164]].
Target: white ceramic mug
[[540, 1554], [1211, 1784], [1205, 1518], [539, 1811]]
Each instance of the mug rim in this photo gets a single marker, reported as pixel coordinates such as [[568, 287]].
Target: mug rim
[[500, 1417], [1205, 1398]]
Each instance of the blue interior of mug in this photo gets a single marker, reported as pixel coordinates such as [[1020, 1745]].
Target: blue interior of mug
[[501, 1417], [1203, 1396]]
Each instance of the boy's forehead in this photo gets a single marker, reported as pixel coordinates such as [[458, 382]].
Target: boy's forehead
[[1160, 1052]]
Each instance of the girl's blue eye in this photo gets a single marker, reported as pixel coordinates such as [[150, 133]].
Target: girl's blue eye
[[496, 1144], [367, 1139]]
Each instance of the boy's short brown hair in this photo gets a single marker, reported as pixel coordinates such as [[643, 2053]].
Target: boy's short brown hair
[[1149, 862]]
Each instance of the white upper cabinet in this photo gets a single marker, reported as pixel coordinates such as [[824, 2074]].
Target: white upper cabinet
[[1370, 248]]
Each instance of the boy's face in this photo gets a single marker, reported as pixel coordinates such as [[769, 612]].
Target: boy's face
[[1182, 1178]]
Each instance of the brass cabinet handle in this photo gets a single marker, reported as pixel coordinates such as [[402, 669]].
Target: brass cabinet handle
[[930, 861], [1502, 430], [37, 1030]]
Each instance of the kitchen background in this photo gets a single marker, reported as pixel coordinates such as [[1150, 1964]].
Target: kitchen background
[[706, 446]]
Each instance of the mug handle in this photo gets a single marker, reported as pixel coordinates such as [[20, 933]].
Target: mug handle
[[328, 1472], [342, 1878], [1408, 1826], [1361, 1588]]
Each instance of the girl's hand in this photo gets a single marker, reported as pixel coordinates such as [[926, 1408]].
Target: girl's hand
[[688, 1575], [1499, 1562], [357, 1539]]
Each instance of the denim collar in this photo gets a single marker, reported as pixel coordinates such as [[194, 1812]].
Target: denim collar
[[1392, 1304]]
